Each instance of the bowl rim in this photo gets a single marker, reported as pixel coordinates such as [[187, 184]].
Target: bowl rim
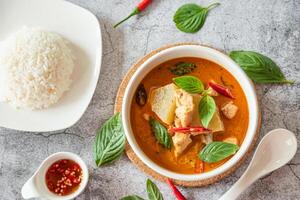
[[219, 58]]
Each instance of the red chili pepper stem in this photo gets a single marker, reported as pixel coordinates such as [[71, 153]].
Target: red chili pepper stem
[[177, 193], [140, 7], [134, 12]]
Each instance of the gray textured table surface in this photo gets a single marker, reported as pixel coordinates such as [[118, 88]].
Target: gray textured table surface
[[271, 27]]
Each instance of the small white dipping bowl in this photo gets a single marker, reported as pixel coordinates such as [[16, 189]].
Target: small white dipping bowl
[[36, 186], [198, 52]]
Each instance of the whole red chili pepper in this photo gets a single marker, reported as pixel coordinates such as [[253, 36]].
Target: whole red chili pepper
[[176, 192], [140, 7], [221, 89], [199, 129]]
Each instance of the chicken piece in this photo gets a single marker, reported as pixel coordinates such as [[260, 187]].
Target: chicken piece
[[163, 102], [181, 142], [212, 92], [215, 125], [232, 140], [184, 108], [229, 110], [183, 118]]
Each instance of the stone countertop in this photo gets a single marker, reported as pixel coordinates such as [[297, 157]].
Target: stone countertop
[[270, 27]]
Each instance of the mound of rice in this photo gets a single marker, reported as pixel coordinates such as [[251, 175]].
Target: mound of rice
[[38, 66]]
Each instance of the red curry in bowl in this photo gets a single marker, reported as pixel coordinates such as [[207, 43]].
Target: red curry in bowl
[[161, 104]]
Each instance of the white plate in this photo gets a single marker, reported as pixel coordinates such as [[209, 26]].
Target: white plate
[[79, 26]]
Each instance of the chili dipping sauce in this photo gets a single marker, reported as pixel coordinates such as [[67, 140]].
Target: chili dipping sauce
[[63, 177]]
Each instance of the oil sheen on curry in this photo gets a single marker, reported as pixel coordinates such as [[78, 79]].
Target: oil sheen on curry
[[189, 115]]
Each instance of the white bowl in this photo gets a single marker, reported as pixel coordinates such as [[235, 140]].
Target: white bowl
[[82, 29], [200, 52], [36, 186]]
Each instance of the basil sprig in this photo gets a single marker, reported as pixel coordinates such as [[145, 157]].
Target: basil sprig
[[190, 84], [132, 197], [190, 18], [217, 151], [153, 191], [161, 133], [110, 141], [258, 67], [182, 68], [206, 109]]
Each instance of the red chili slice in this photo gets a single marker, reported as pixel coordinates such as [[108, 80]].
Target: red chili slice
[[221, 89], [50, 184], [198, 129], [64, 161], [75, 167], [76, 180]]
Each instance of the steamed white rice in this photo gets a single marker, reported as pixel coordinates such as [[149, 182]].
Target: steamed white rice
[[37, 67]]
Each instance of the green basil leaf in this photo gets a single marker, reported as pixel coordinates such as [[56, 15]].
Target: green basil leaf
[[258, 67], [206, 109], [132, 197], [190, 18], [153, 191], [216, 151], [110, 141], [182, 68], [190, 84], [161, 133]]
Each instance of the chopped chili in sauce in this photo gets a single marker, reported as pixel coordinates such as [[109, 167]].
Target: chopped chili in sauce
[[63, 177]]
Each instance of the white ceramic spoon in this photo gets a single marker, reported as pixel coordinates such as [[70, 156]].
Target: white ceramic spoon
[[276, 149]]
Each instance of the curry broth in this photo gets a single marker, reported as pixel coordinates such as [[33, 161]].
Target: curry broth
[[205, 71]]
